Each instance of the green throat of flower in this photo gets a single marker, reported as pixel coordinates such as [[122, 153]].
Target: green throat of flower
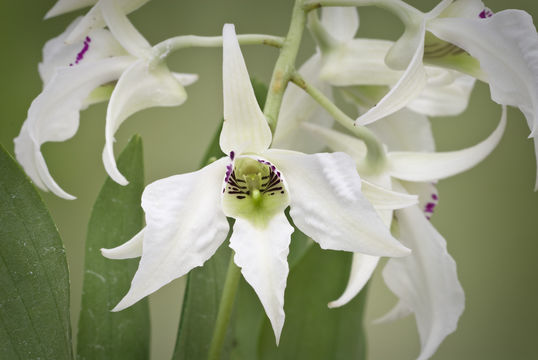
[[254, 191]]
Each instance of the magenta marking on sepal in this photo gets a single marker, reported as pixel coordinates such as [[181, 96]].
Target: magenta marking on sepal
[[486, 13], [81, 53]]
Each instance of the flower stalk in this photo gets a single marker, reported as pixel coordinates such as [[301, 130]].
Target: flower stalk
[[285, 65], [231, 283], [376, 157]]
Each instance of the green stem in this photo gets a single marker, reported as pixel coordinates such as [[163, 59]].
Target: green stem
[[376, 157], [164, 48], [285, 64], [225, 309]]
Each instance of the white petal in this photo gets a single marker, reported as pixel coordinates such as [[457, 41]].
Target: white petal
[[184, 226], [362, 268], [261, 254], [400, 310], [506, 45], [426, 281], [430, 166], [326, 203], [428, 196], [124, 31], [25, 149], [100, 44], [337, 141], [186, 79], [298, 107], [405, 130], [64, 6], [54, 114], [406, 89], [359, 62], [444, 99], [340, 22], [141, 86], [130, 249], [245, 128], [384, 199], [94, 18], [467, 8]]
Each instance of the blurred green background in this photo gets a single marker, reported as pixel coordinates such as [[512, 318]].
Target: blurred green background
[[487, 215]]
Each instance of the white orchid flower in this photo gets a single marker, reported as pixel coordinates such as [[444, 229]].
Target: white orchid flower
[[77, 75], [505, 44], [425, 282], [186, 214]]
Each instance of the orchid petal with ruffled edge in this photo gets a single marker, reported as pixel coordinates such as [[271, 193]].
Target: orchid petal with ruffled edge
[[245, 128], [94, 18], [506, 44], [431, 166], [425, 282], [262, 253], [184, 227], [299, 108]]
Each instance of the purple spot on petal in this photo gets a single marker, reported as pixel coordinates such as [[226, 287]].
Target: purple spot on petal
[[232, 155], [429, 207], [435, 197], [486, 13], [84, 50]]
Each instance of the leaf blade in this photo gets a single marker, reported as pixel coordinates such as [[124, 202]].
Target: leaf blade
[[34, 279], [115, 218]]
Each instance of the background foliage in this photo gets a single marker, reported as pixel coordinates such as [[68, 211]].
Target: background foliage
[[487, 215]]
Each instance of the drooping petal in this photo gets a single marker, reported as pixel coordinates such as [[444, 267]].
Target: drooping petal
[[64, 6], [406, 89], [184, 226], [123, 30], [298, 108], [448, 99], [384, 199], [362, 268], [54, 114], [359, 62], [130, 249], [341, 23], [326, 203], [25, 149], [141, 86], [425, 282], [94, 18], [261, 253], [431, 166], [405, 130], [245, 128], [506, 45]]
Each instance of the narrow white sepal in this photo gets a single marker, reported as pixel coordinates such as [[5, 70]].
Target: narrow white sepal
[[431, 166], [362, 268], [261, 253], [406, 89], [245, 128], [130, 249], [384, 199], [65, 6]]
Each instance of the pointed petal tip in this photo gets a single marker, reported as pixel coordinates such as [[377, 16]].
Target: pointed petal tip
[[111, 168]]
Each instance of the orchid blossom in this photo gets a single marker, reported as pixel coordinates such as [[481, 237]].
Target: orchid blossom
[[80, 74], [186, 214], [504, 43]]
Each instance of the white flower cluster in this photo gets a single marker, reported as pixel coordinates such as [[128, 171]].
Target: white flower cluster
[[333, 197]]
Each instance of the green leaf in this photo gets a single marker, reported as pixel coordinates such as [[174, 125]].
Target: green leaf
[[34, 280], [312, 330], [116, 217]]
